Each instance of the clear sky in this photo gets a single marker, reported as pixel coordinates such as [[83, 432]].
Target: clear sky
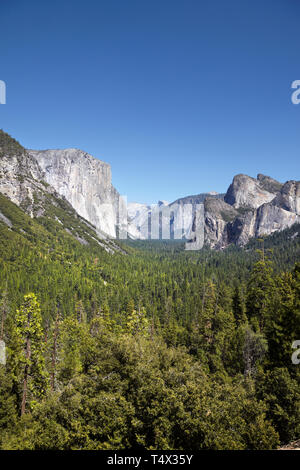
[[177, 95]]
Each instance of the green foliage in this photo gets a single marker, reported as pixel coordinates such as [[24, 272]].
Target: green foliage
[[281, 393], [136, 322], [260, 294], [9, 146], [159, 348], [141, 394], [26, 351]]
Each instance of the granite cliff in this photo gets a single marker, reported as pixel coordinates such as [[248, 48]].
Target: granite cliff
[[85, 182], [23, 181], [250, 208]]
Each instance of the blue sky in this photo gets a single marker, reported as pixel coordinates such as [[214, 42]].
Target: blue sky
[[178, 96]]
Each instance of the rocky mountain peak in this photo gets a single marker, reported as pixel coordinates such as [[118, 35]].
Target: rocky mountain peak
[[268, 183], [251, 207], [248, 192], [262, 206]]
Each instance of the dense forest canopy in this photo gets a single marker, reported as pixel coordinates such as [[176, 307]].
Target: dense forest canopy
[[150, 347]]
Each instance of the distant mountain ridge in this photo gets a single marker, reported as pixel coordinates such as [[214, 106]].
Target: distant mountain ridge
[[251, 207]]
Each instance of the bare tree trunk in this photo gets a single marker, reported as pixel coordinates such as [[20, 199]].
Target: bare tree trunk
[[26, 374]]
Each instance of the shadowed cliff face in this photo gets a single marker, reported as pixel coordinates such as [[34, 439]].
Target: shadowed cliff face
[[85, 182]]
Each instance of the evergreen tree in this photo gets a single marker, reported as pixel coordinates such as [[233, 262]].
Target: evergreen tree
[[260, 292], [28, 351]]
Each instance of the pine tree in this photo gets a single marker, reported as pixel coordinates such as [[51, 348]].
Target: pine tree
[[137, 322], [239, 305], [29, 348], [70, 347], [254, 348], [260, 292]]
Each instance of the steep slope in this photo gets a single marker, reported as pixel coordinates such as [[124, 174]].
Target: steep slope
[[251, 208], [282, 212], [21, 178], [217, 214], [248, 192], [58, 256], [21, 181], [185, 211], [85, 182]]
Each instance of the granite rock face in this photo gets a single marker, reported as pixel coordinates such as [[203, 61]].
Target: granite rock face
[[282, 212], [217, 215], [165, 220], [248, 192], [289, 197], [251, 208], [85, 182], [21, 180]]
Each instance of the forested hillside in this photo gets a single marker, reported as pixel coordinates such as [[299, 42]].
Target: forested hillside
[[148, 346]]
